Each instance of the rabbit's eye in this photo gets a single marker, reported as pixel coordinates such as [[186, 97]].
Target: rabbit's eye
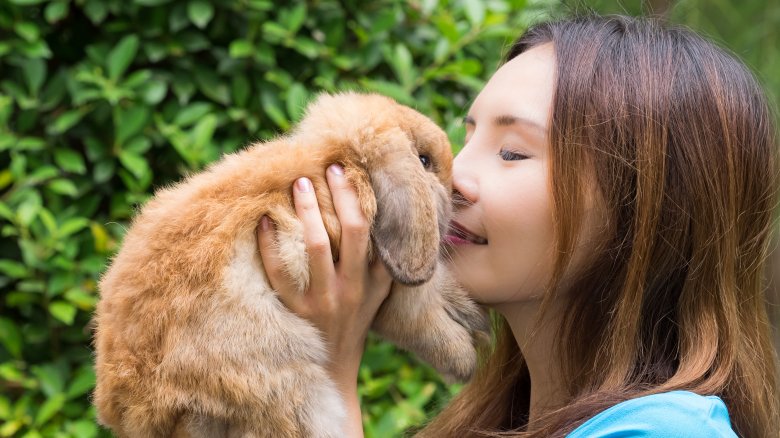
[[426, 161]]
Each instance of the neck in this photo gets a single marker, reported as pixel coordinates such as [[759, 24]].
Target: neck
[[537, 344]]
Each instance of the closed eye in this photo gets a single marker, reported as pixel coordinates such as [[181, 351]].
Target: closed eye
[[507, 155]]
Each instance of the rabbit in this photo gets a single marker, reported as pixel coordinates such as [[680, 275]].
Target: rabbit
[[190, 339]]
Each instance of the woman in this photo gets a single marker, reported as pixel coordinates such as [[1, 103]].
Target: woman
[[622, 176]]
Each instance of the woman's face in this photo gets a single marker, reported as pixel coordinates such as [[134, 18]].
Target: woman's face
[[502, 172]]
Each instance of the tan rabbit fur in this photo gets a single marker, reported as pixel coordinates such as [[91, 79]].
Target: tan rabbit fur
[[191, 339]]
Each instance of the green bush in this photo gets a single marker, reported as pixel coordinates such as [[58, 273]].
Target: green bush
[[103, 101]]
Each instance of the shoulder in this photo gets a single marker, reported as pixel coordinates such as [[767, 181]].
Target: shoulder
[[669, 414]]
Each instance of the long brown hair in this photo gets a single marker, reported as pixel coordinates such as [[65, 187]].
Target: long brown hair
[[682, 143]]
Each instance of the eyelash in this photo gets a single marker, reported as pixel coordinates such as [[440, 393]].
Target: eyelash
[[511, 155]]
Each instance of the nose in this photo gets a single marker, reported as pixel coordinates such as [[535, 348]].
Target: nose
[[464, 181]]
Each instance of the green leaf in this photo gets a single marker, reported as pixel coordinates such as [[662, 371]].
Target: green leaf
[[30, 144], [240, 49], [69, 161], [100, 236], [240, 90], [83, 428], [42, 173], [50, 408], [36, 49], [274, 32], [32, 433], [13, 269], [34, 74], [72, 225], [5, 408], [296, 101], [138, 145], [27, 30], [154, 92], [137, 79], [56, 11], [103, 171], [200, 12], [83, 381], [65, 121], [193, 41], [307, 47], [11, 427], [204, 131], [475, 11], [134, 163], [446, 25], [63, 187], [6, 106], [11, 337], [261, 5], [151, 2], [51, 378], [385, 19], [26, 2], [273, 109], [63, 311], [212, 86], [130, 122], [295, 18], [183, 88], [121, 56], [81, 299], [96, 10], [389, 89], [48, 221], [402, 64], [192, 113], [155, 50], [29, 208], [6, 178]]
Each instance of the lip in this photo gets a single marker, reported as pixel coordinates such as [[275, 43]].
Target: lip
[[460, 235]]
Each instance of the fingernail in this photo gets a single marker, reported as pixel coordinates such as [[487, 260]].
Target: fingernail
[[336, 169], [303, 184], [265, 224]]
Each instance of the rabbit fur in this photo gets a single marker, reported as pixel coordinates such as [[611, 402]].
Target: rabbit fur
[[191, 340]]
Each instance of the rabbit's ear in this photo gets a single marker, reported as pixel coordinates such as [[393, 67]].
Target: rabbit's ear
[[405, 232]]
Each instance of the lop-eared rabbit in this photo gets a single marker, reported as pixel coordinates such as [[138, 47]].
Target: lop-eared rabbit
[[190, 338]]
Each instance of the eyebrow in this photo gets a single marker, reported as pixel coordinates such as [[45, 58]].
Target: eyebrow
[[508, 120]]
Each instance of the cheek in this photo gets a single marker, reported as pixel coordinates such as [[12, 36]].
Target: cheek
[[517, 263], [525, 256]]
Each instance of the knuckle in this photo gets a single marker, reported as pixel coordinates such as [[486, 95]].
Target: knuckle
[[273, 270], [355, 226], [318, 246], [271, 266], [329, 305], [344, 188], [307, 203], [351, 300]]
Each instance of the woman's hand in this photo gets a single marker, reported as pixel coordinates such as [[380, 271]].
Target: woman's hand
[[342, 298]]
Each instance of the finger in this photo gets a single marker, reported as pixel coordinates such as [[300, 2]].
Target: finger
[[272, 262], [379, 272], [354, 225], [382, 281], [314, 235]]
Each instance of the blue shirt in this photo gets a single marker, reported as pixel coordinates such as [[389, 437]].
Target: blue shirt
[[668, 415]]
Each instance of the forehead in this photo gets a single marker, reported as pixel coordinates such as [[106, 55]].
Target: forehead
[[522, 87]]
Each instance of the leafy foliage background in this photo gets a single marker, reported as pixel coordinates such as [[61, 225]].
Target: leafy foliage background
[[103, 101]]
